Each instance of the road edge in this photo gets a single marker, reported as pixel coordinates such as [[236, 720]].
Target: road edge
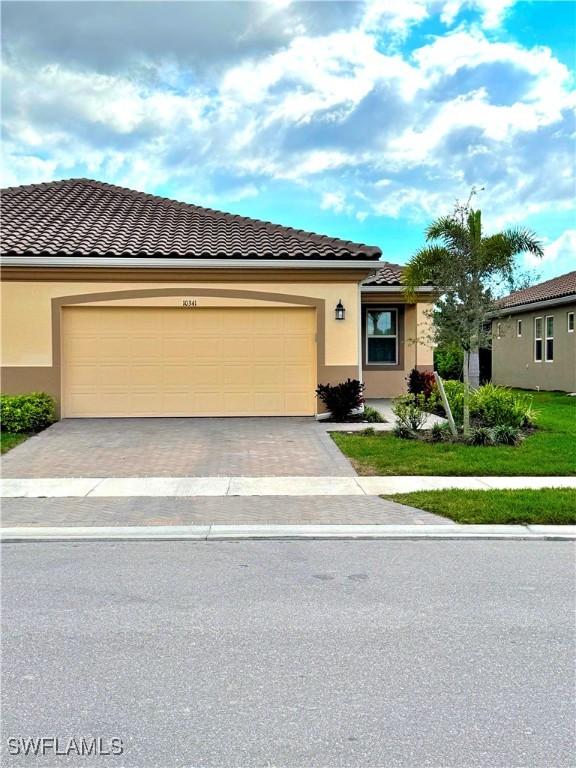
[[293, 532]]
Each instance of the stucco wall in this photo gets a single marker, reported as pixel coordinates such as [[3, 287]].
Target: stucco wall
[[30, 361], [26, 313], [513, 361]]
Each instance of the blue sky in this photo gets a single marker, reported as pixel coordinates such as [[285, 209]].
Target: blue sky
[[362, 120]]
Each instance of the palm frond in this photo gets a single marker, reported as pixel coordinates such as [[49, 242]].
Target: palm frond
[[523, 240], [449, 231], [423, 268], [500, 250]]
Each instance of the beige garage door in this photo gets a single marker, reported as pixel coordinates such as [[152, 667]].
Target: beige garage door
[[145, 361]]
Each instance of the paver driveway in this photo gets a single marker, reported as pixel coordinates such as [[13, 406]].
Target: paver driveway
[[247, 447]]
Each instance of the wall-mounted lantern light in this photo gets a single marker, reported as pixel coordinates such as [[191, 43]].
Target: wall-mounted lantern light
[[340, 311]]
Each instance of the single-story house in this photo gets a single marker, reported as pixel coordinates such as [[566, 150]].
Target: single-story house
[[533, 337], [121, 303]]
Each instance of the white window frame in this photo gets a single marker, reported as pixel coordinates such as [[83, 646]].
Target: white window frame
[[538, 338], [395, 337], [548, 338], [519, 329], [568, 316]]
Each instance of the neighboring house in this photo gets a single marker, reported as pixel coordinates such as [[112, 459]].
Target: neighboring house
[[534, 339], [121, 303]]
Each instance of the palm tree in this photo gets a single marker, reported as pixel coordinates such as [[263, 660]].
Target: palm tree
[[465, 267]]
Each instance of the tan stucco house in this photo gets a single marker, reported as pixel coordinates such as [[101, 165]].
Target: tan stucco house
[[121, 303], [534, 337]]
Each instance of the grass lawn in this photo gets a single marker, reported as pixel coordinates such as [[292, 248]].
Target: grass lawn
[[10, 440], [550, 450], [549, 506]]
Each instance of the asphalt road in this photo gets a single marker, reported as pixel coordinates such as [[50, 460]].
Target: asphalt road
[[308, 654]]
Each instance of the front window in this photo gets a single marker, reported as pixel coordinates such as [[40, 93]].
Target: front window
[[382, 336], [538, 339], [549, 339]]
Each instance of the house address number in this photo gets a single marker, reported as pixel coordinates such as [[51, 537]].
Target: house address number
[[189, 303]]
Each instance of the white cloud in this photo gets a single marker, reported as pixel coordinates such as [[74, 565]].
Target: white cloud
[[333, 201], [398, 17], [491, 11], [335, 106], [561, 252]]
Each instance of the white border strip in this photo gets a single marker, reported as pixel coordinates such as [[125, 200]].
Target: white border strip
[[259, 532], [107, 261]]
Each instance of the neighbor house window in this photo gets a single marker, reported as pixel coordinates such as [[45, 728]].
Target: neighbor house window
[[519, 328], [549, 339], [570, 322], [538, 339], [499, 330], [382, 336]]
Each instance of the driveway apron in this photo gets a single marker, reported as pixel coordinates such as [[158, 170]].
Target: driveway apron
[[163, 447]]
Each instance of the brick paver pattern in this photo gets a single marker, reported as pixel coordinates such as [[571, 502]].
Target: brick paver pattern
[[279, 510], [249, 447]]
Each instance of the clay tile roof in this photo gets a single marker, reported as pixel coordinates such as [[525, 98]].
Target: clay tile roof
[[558, 287], [390, 274], [81, 217]]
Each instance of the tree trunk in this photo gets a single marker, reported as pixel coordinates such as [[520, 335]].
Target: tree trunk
[[466, 372], [474, 370]]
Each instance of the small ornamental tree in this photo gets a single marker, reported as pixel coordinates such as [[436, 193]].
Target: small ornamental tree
[[466, 267]]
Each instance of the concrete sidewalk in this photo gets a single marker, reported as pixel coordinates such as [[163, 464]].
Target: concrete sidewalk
[[81, 487]]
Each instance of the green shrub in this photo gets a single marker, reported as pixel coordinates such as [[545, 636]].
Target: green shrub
[[506, 435], [491, 405], [404, 432], [27, 413], [372, 415], [368, 432], [455, 396], [341, 399], [480, 436], [409, 416], [438, 432], [449, 361]]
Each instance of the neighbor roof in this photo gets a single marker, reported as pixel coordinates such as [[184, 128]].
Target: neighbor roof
[[557, 288], [81, 217], [389, 274]]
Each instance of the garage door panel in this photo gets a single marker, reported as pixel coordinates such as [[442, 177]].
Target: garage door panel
[[295, 402], [271, 402], [145, 361], [296, 349], [143, 376], [112, 349], [297, 376], [269, 348], [270, 376], [237, 348], [113, 376], [205, 375], [195, 349], [145, 348]]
